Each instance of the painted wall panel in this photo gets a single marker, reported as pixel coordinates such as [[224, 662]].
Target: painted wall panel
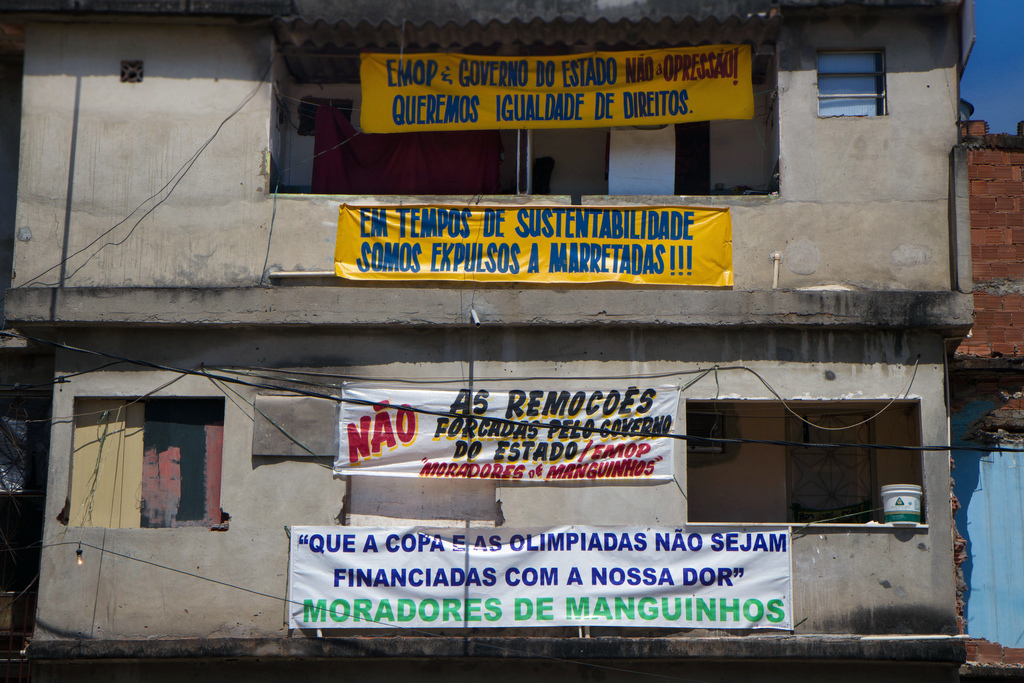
[[107, 464], [990, 488]]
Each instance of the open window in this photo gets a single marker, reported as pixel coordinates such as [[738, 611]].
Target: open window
[[151, 463], [822, 466], [318, 121]]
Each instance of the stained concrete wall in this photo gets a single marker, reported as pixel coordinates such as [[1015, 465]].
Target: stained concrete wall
[[847, 578], [120, 149], [496, 670], [863, 201], [869, 191]]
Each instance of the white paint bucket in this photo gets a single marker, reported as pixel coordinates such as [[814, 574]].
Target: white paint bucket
[[901, 503]]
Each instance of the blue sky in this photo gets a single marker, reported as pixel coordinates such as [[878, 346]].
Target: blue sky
[[994, 79]]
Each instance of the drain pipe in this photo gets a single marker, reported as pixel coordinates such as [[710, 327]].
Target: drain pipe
[[776, 259]]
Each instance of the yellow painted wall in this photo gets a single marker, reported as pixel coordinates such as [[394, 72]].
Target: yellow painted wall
[[106, 466]]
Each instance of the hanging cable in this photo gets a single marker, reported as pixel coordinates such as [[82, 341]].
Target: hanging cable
[[381, 622], [169, 187], [838, 429], [499, 420]]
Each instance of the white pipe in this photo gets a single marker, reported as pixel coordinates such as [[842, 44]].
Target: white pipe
[[777, 259], [302, 273], [519, 162], [529, 161]]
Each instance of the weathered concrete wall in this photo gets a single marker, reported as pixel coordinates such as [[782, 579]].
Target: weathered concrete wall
[[502, 670], [847, 579], [121, 148], [863, 202], [866, 196], [414, 306]]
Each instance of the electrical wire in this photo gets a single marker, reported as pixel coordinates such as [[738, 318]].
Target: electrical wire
[[226, 388], [248, 372], [177, 177], [397, 627], [906, 393], [278, 93], [169, 187], [499, 420], [520, 379], [60, 379], [277, 186], [76, 415]]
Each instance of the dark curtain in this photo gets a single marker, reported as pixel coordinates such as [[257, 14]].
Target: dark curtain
[[693, 158], [349, 162]]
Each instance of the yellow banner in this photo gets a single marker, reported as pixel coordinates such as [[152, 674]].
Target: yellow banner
[[446, 91], [543, 244]]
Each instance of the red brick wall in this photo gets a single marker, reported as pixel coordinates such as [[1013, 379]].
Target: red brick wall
[[997, 250], [981, 651]]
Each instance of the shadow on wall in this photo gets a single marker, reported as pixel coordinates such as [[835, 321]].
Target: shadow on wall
[[10, 141]]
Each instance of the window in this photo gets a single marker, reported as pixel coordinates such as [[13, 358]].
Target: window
[[851, 84], [832, 482], [152, 463], [799, 473]]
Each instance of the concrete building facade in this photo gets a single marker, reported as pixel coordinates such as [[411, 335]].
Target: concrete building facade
[[169, 260]]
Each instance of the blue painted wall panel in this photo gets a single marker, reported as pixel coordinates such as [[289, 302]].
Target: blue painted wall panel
[[990, 488]]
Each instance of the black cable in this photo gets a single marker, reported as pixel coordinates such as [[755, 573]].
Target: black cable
[[541, 425], [450, 380], [273, 213], [59, 379], [407, 629], [172, 183]]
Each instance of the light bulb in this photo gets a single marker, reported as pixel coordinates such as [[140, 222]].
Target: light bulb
[[79, 553]]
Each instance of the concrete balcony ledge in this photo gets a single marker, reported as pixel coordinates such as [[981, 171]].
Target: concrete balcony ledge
[[949, 312], [942, 650]]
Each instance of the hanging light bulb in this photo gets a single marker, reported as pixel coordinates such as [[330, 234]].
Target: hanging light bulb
[[79, 554]]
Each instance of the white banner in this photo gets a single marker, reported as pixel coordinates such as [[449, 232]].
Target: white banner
[[514, 435], [416, 577]]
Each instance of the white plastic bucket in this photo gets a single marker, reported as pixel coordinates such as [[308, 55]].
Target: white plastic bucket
[[901, 503]]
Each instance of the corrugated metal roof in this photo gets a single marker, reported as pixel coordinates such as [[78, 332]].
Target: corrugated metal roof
[[464, 12], [342, 36], [255, 8], [375, 12]]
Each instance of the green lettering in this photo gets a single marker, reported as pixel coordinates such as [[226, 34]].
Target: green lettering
[[312, 613], [577, 610]]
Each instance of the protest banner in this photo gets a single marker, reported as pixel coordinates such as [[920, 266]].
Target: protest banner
[[556, 244], [522, 434], [448, 91], [355, 577]]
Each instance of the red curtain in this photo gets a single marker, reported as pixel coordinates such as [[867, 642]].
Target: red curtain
[[349, 162]]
